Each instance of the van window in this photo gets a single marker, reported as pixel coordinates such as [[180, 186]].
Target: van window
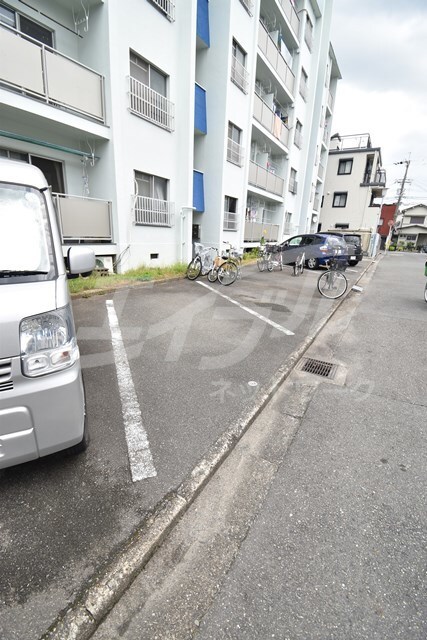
[[26, 251]]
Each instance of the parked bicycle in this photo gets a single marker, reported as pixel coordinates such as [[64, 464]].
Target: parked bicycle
[[263, 258], [202, 262], [274, 258], [333, 283], [299, 263], [226, 267]]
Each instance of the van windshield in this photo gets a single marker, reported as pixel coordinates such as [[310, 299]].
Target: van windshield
[[25, 239]]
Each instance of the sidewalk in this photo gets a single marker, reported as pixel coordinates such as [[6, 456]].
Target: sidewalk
[[312, 528]]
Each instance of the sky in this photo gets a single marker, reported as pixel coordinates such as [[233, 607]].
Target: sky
[[381, 50]]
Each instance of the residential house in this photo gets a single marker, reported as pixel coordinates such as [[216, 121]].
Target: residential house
[[411, 227], [160, 123]]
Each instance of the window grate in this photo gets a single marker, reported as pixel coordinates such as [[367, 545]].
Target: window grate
[[319, 367]]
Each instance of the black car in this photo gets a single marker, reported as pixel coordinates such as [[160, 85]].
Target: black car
[[318, 248], [354, 242]]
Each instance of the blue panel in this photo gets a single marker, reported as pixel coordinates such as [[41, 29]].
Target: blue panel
[[198, 191], [200, 110], [203, 21]]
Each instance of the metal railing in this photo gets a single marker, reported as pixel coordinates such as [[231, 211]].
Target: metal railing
[[260, 177], [234, 152], [150, 105], [291, 14], [321, 172], [249, 6], [293, 186], [254, 231], [239, 75], [39, 71], [83, 219], [167, 6], [270, 50], [153, 212], [272, 122], [231, 221]]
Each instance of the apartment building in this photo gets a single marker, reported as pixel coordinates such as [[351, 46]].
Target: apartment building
[[355, 185], [160, 123]]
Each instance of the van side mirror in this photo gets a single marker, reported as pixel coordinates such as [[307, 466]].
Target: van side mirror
[[80, 260]]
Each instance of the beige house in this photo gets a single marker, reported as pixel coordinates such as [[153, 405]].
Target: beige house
[[412, 226]]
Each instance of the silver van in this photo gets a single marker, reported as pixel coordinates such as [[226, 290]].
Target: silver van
[[42, 403]]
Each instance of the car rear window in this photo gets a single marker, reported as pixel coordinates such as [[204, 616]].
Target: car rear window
[[352, 239]]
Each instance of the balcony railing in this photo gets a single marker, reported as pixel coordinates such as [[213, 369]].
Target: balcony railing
[[254, 231], [316, 205], [150, 105], [167, 6], [230, 221], [234, 152], [321, 172], [298, 139], [83, 219], [330, 101], [293, 186], [275, 58], [249, 6], [239, 75], [153, 212], [260, 177], [271, 121], [291, 14], [378, 179], [34, 69]]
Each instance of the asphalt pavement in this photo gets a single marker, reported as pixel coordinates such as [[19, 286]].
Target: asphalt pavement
[[314, 527]]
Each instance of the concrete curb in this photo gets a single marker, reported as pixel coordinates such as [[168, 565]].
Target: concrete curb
[[82, 618]]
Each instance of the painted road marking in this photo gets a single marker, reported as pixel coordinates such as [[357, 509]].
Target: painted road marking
[[254, 313], [140, 458]]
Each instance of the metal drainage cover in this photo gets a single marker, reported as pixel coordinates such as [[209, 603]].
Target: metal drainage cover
[[319, 367]]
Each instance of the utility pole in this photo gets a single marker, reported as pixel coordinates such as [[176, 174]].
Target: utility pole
[[401, 192]]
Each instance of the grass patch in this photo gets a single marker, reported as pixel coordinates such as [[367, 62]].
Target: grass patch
[[141, 274]]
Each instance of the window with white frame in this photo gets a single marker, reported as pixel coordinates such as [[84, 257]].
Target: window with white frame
[[293, 184], [239, 75], [21, 23], [234, 148], [345, 167], [148, 92], [340, 199], [298, 134], [230, 213], [151, 200], [303, 85]]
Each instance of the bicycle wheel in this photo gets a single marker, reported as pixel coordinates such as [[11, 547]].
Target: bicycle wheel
[[261, 264], [194, 268], [227, 273], [332, 284], [213, 274], [270, 263]]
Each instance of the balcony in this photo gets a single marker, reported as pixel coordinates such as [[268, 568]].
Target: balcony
[[379, 179], [231, 221], [36, 70], [167, 7], [150, 105], [274, 125], [263, 179], [291, 15], [153, 212], [275, 58], [83, 219], [239, 75], [330, 101], [293, 186], [254, 231]]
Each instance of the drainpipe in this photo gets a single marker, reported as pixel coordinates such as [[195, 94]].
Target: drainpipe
[[183, 214]]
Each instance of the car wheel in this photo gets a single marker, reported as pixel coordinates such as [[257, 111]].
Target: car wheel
[[312, 263]]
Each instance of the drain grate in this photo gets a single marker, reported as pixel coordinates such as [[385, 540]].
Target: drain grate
[[319, 368]]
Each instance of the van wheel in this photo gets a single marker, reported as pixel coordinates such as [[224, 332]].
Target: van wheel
[[312, 263]]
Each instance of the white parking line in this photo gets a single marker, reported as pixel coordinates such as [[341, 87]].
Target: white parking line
[[140, 458], [254, 313]]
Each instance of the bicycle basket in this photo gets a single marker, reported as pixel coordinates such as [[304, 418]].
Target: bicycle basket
[[273, 248]]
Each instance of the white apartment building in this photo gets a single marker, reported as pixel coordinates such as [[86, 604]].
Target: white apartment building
[[158, 123], [355, 184]]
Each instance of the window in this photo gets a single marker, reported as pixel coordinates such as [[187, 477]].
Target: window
[[417, 220], [151, 204], [345, 167], [298, 134], [239, 74], [147, 93], [308, 36], [230, 213], [293, 185], [25, 25], [412, 238], [234, 150], [340, 199], [342, 225], [303, 85], [167, 7]]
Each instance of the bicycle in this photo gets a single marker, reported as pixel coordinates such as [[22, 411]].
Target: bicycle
[[274, 258], [202, 262], [263, 258], [332, 283], [299, 264], [225, 269]]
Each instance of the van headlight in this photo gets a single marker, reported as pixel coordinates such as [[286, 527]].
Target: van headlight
[[48, 342]]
